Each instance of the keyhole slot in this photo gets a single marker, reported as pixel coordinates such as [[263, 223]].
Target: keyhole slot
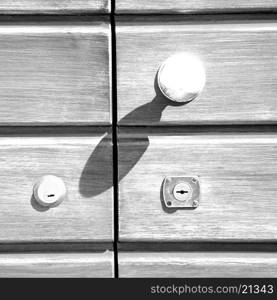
[[182, 192], [50, 195]]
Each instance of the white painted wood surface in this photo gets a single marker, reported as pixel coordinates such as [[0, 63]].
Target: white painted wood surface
[[240, 61], [197, 264], [83, 162], [55, 73], [189, 6], [238, 182], [54, 6], [56, 265]]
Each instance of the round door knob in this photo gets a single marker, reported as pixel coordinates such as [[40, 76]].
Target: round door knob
[[181, 77], [49, 191]]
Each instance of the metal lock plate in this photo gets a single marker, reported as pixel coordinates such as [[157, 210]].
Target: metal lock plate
[[181, 191]]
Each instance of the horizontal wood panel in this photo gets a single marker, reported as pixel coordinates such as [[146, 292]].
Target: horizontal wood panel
[[197, 264], [181, 6], [57, 265], [54, 73], [84, 163], [237, 172], [53, 6], [240, 62]]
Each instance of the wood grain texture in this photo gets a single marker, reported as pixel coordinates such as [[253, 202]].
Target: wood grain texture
[[53, 6], [54, 73], [84, 163], [197, 264], [237, 172], [188, 6], [240, 62], [57, 265]]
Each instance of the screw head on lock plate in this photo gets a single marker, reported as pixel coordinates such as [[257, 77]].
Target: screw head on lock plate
[[181, 191]]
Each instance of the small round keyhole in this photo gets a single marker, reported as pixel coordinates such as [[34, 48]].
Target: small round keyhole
[[182, 191]]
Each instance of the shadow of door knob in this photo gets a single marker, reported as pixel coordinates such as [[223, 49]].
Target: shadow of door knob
[[181, 77]]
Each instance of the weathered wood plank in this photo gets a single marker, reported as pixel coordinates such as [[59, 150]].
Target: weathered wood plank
[[83, 162], [200, 6], [237, 174], [239, 58], [197, 264], [57, 265], [53, 6], [54, 73]]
